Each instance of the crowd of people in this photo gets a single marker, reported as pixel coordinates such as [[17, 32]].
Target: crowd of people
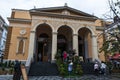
[[100, 68]]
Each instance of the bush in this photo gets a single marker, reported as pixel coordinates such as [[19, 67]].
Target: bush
[[63, 69], [12, 64], [63, 66], [11, 71], [59, 61], [58, 54], [5, 64], [78, 70]]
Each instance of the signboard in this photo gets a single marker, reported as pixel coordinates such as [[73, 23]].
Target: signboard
[[24, 73]]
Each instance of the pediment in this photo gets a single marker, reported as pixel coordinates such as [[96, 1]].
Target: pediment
[[64, 10]]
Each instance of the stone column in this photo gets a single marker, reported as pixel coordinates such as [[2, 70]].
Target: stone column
[[31, 48], [75, 42], [94, 48], [54, 45]]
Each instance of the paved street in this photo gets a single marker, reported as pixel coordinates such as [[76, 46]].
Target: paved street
[[85, 77]]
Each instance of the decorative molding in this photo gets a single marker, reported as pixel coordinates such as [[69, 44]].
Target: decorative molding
[[21, 37], [19, 20], [48, 14], [22, 31], [65, 22], [44, 21], [52, 19], [66, 12]]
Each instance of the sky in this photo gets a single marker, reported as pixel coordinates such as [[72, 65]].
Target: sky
[[96, 7]]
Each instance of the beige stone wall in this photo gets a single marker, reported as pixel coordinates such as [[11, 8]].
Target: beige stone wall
[[89, 45], [55, 23], [100, 40], [13, 44], [23, 14]]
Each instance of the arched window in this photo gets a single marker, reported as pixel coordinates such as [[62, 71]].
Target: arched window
[[20, 47]]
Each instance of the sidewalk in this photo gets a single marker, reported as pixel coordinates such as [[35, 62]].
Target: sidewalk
[[117, 75], [84, 77], [6, 77]]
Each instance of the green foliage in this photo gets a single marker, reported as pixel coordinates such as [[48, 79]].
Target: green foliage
[[59, 61], [9, 63], [112, 44], [12, 64], [3, 68], [7, 67], [63, 69], [78, 70], [58, 54], [11, 70], [5, 64], [63, 66], [76, 60]]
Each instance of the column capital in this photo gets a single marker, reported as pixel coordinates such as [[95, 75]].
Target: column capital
[[75, 34], [93, 36], [32, 31], [54, 32]]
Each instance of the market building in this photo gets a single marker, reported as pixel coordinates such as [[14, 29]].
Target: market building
[[43, 31]]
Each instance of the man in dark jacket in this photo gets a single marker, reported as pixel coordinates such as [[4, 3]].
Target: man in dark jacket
[[17, 71]]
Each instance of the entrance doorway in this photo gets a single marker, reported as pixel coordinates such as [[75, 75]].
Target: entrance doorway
[[84, 40], [43, 43], [64, 38], [43, 47], [80, 46], [61, 43]]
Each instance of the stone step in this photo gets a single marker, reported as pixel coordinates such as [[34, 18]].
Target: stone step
[[43, 69]]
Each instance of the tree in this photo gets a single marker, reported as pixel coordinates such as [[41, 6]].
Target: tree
[[112, 41], [114, 13]]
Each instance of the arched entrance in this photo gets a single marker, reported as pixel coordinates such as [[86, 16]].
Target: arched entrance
[[85, 44], [80, 46], [64, 38], [43, 43], [61, 42]]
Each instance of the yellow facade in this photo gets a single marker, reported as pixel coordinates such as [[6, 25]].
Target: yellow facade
[[28, 20]]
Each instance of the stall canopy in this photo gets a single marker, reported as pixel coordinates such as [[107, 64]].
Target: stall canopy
[[116, 56]]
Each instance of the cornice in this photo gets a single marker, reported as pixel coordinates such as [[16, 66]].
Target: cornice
[[19, 20], [99, 28], [63, 8], [49, 14]]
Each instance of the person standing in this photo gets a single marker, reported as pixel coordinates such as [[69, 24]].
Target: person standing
[[39, 56], [103, 68], [64, 56], [17, 71], [96, 68], [70, 67]]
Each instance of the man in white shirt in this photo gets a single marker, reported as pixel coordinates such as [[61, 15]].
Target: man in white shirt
[[103, 68]]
